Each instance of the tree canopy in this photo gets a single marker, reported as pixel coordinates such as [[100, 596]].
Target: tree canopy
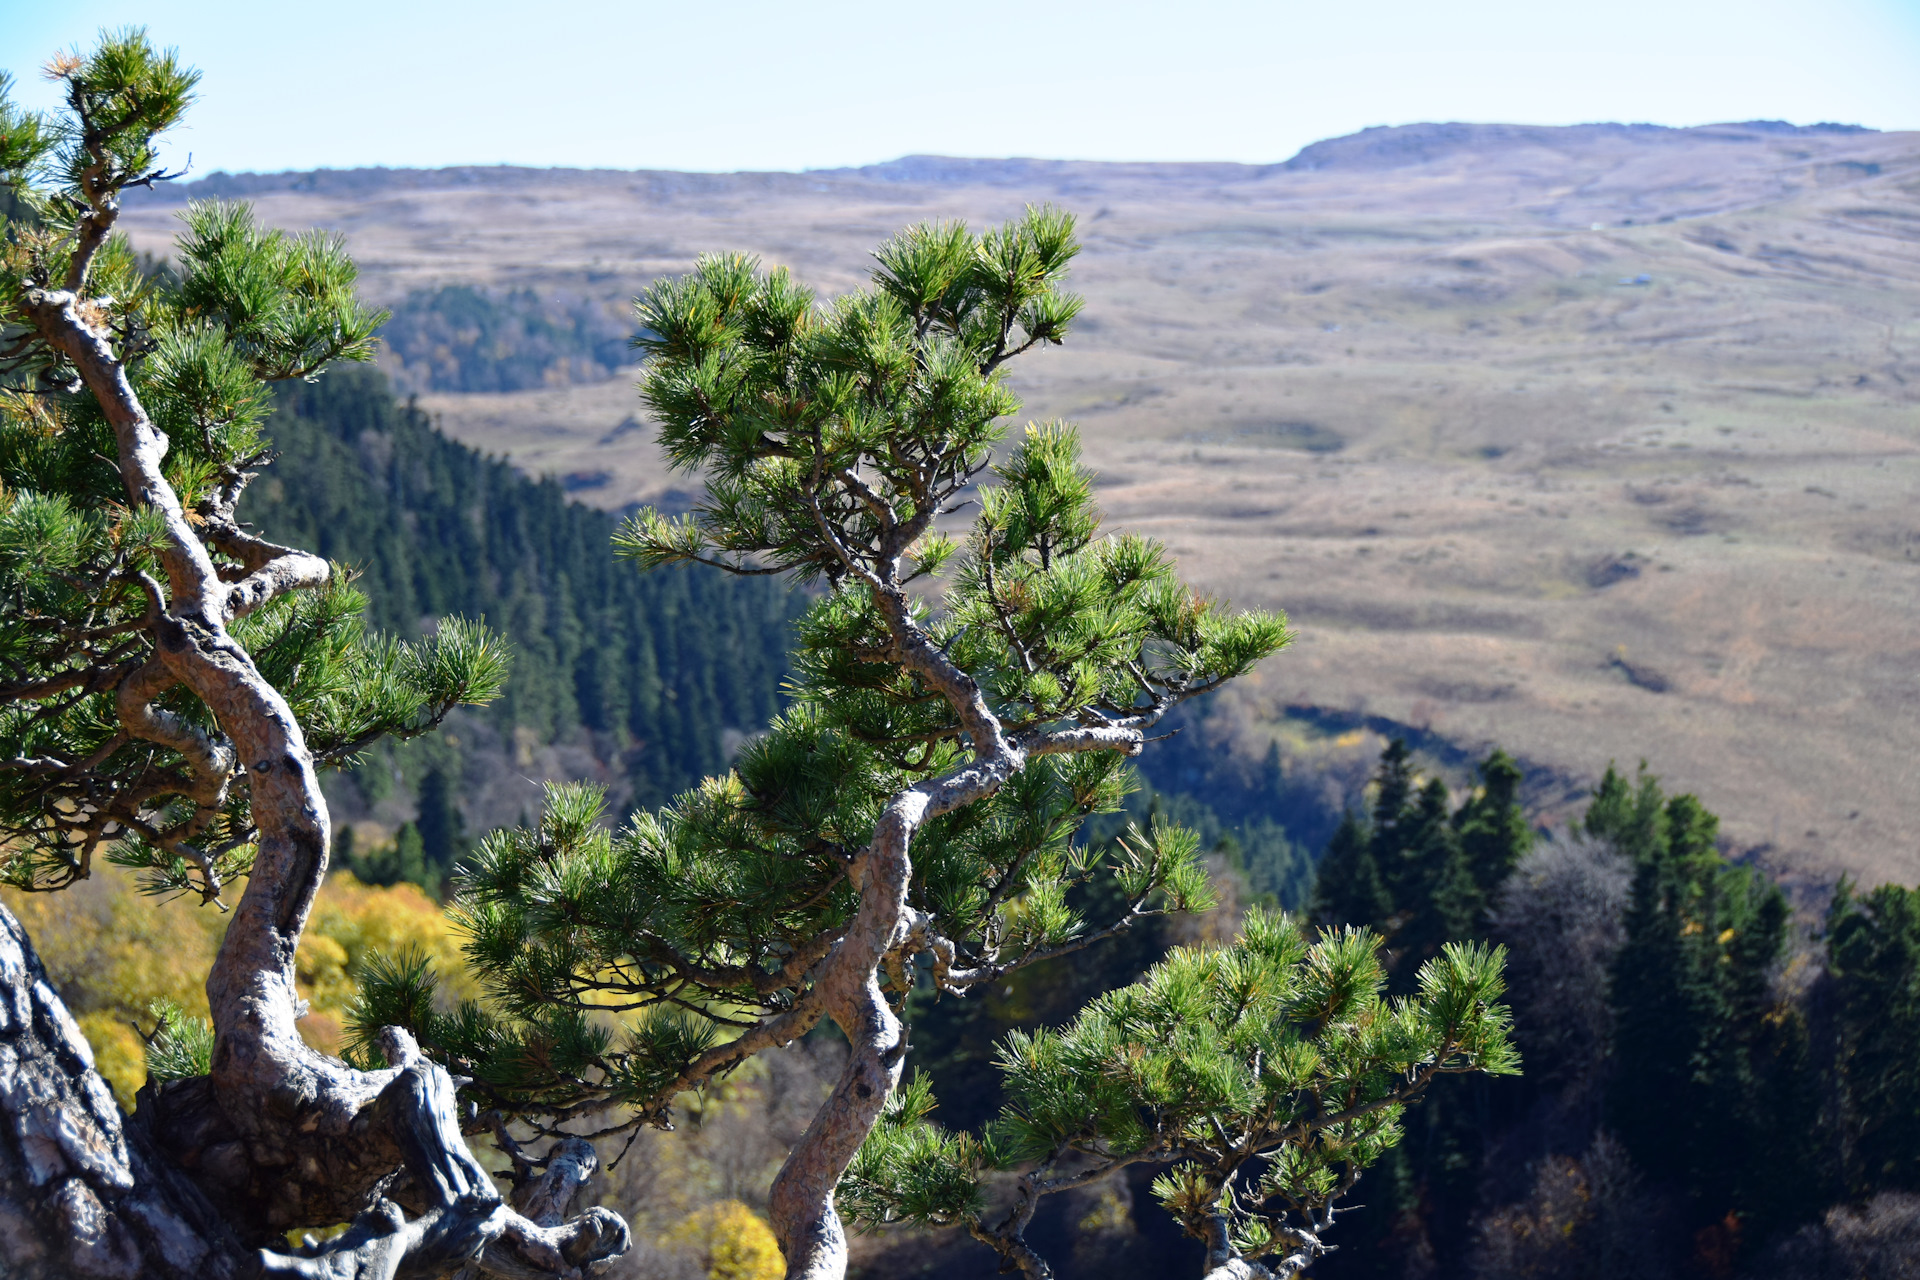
[[1271, 1073], [171, 685], [99, 742], [963, 696]]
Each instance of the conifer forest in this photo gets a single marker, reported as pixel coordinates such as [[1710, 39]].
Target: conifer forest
[[407, 870]]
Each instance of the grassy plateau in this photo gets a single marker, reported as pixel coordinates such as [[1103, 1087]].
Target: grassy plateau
[[1596, 442]]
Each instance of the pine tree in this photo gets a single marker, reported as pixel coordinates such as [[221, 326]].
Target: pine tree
[[1439, 868], [1394, 786], [171, 685], [388, 864], [1347, 886], [442, 831], [1494, 831], [960, 704], [1272, 1073], [1422, 872], [1630, 818], [1435, 898]]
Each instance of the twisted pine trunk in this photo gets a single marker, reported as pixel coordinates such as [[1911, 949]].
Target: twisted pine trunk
[[804, 1218], [848, 979], [278, 1136], [87, 1192]]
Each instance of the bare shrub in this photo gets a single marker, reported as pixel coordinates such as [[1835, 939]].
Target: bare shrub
[[1561, 915], [1879, 1240], [1584, 1219]]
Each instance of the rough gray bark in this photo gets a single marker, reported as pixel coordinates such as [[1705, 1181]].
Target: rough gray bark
[[82, 1191], [544, 1203], [804, 1219], [462, 1219], [1239, 1269], [86, 1192]]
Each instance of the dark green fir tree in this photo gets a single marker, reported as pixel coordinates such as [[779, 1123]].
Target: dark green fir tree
[[1494, 831], [1347, 885], [1424, 873], [1711, 1087], [1873, 945]]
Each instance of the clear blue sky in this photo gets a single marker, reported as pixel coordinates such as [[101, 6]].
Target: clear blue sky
[[797, 84]]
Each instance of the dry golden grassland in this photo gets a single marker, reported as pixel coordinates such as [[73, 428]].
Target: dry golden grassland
[[1404, 390]]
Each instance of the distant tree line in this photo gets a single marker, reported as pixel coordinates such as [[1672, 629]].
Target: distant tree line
[[461, 338], [647, 673], [1713, 1087], [1709, 1082]]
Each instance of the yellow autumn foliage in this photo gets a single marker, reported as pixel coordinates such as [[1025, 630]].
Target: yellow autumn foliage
[[731, 1242], [352, 922], [111, 952]]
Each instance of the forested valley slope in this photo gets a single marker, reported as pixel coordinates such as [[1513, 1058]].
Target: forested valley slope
[[644, 683]]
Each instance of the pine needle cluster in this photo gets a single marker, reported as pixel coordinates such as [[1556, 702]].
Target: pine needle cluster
[[1270, 1073], [99, 745]]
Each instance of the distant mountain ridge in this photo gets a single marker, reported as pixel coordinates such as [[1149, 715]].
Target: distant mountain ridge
[[1402, 146], [1377, 148]]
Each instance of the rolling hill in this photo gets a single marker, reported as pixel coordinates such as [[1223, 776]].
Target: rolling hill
[[1599, 442]]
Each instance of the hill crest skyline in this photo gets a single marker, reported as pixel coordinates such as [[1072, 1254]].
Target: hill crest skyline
[[1376, 147]]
